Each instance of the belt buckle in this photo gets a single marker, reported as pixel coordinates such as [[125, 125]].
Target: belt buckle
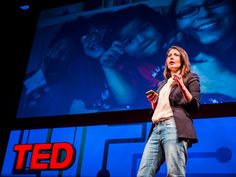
[[162, 119]]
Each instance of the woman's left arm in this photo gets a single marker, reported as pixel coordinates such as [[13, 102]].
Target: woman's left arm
[[191, 91]]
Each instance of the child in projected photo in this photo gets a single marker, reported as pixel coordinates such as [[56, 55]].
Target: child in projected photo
[[132, 64], [208, 30], [90, 86], [70, 79]]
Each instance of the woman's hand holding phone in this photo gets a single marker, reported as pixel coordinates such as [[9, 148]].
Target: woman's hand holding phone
[[152, 96]]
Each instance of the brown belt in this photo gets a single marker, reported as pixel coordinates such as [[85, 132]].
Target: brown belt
[[162, 119]]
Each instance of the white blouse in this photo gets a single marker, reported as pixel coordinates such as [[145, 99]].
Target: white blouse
[[163, 108]]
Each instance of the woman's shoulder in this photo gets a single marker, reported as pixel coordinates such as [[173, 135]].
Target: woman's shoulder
[[162, 82], [192, 75]]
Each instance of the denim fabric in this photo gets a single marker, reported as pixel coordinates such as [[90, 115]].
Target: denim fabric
[[163, 145]]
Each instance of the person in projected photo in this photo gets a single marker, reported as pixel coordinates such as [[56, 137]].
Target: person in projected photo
[[172, 132], [71, 79], [94, 95], [66, 82], [129, 64], [41, 87], [208, 28], [94, 44]]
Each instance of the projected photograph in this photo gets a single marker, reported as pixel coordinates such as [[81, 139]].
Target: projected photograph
[[90, 59]]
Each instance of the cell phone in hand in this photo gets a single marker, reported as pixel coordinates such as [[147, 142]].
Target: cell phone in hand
[[150, 92]]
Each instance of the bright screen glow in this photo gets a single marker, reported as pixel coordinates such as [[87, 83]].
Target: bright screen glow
[[104, 58]]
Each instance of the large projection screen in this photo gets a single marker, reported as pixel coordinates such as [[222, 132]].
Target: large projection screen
[[102, 59]]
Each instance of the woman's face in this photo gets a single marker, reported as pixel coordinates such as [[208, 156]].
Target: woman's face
[[173, 61], [93, 42], [140, 38], [206, 20]]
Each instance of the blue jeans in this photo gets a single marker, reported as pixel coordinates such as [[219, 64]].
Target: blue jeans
[[163, 145]]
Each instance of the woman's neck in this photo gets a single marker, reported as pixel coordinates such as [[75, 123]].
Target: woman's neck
[[174, 72]]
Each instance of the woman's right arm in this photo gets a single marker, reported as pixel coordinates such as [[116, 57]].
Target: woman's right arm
[[152, 98]]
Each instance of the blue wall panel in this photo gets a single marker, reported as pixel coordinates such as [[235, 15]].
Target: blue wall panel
[[117, 149]]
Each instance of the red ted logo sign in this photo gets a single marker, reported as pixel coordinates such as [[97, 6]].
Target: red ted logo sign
[[46, 156]]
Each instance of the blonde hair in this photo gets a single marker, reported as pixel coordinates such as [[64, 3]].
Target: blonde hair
[[184, 59]]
